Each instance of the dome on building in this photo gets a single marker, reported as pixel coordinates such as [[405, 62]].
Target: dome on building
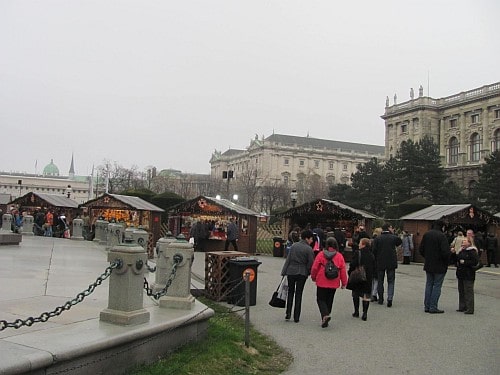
[[51, 169]]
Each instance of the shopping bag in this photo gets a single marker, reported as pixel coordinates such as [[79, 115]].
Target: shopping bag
[[276, 299]]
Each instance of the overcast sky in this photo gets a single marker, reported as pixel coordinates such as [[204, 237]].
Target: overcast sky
[[165, 83]]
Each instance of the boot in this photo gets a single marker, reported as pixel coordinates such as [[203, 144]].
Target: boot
[[355, 301], [366, 304]]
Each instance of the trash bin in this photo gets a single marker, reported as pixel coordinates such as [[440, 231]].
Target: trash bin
[[278, 247], [237, 269]]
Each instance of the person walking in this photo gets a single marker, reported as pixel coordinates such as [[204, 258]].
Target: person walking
[[436, 251], [384, 250], [363, 257], [466, 261], [297, 268], [326, 287], [231, 235]]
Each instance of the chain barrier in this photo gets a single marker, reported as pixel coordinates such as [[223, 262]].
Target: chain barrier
[[177, 260], [18, 323]]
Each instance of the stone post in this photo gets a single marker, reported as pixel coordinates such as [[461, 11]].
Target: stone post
[[179, 293], [7, 222], [98, 230], [114, 235], [103, 239], [126, 285], [77, 230], [161, 263], [140, 236], [127, 235], [27, 226]]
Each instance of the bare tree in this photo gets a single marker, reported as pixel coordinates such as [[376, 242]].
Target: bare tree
[[246, 184]]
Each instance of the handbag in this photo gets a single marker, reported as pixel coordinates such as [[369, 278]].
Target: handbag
[[276, 299], [357, 276]]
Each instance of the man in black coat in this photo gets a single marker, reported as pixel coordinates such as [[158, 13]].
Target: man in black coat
[[384, 249], [436, 251]]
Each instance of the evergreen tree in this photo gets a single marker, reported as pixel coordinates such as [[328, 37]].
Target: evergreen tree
[[369, 184], [486, 191]]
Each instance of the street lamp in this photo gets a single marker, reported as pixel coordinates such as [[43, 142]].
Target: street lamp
[[293, 197], [235, 197]]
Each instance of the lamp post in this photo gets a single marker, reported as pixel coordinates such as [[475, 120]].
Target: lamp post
[[293, 197], [235, 197]]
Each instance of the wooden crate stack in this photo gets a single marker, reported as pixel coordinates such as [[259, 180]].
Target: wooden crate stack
[[217, 273]]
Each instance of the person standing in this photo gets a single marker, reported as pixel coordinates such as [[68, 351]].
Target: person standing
[[407, 246], [297, 268], [384, 250], [49, 222], [457, 242], [492, 250], [341, 240], [436, 251], [325, 287], [466, 261], [363, 257], [231, 235]]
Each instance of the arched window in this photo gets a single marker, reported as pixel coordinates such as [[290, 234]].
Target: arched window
[[475, 147], [495, 142], [330, 179], [453, 151]]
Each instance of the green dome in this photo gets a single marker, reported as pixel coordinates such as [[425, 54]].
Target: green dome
[[51, 169]]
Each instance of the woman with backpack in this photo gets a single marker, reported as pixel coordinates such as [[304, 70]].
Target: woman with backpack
[[329, 273]]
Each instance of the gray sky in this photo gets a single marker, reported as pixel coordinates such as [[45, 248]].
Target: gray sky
[[165, 83]]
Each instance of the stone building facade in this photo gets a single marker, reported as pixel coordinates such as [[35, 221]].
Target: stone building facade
[[293, 162], [466, 126]]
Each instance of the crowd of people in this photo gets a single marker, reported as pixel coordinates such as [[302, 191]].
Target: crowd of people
[[48, 222], [309, 252]]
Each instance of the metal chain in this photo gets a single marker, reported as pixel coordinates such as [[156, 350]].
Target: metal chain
[[18, 323], [177, 260]]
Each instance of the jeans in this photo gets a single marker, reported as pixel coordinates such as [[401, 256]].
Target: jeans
[[433, 284], [391, 279], [295, 288], [324, 299]]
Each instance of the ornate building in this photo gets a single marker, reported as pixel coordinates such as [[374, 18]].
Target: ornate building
[[466, 126], [301, 163]]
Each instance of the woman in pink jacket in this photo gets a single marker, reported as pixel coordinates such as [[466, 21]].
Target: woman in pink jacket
[[325, 287]]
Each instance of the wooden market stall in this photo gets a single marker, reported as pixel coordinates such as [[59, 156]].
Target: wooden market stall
[[130, 210], [215, 213], [34, 203], [455, 217]]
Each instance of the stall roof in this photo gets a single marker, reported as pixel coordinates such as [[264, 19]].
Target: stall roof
[[435, 212], [317, 206], [135, 203], [54, 200], [201, 201]]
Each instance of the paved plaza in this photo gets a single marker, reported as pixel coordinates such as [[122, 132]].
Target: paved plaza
[[43, 273]]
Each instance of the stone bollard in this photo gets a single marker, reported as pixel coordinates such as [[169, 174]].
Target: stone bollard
[[140, 236], [77, 230], [7, 222], [98, 230], [114, 238], [126, 285], [179, 292], [103, 239], [127, 235], [161, 274], [27, 226]]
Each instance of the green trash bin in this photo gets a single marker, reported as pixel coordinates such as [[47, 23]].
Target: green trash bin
[[237, 268]]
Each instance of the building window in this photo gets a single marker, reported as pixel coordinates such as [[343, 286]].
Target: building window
[[475, 147], [415, 124], [495, 143], [497, 113], [256, 160], [453, 123], [301, 163], [453, 151], [404, 128], [330, 179], [316, 164], [287, 161], [285, 179], [344, 167], [474, 119], [330, 165]]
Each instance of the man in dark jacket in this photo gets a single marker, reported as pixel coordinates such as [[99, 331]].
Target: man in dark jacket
[[384, 250], [436, 251]]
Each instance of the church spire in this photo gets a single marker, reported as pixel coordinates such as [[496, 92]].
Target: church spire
[[72, 168]]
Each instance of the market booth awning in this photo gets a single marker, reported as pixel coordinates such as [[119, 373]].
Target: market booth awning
[[328, 213], [215, 213], [133, 211], [455, 217]]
